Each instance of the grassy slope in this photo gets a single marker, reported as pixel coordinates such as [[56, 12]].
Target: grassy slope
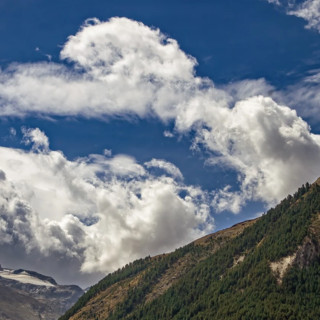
[[159, 273], [224, 277]]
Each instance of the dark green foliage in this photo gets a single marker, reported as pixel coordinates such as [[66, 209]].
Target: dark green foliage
[[137, 294], [216, 288], [128, 271]]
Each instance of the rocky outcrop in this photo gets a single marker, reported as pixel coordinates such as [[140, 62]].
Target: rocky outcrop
[[307, 253], [279, 268]]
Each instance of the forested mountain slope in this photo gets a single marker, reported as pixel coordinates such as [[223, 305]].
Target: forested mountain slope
[[267, 268]]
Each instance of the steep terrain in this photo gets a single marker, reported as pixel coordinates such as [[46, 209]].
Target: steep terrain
[[29, 295], [268, 268]]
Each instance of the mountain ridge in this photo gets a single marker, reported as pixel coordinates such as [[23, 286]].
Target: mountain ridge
[[219, 238], [26, 294], [198, 281]]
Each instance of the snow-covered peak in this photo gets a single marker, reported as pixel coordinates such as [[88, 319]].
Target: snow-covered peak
[[25, 276]]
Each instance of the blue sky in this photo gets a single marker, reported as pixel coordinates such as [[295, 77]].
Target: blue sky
[[149, 125]]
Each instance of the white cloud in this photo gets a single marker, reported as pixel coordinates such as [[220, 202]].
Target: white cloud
[[36, 137], [303, 96], [120, 165], [248, 88], [104, 49], [13, 132], [107, 152], [122, 67], [274, 2], [268, 144], [168, 167], [225, 199], [310, 11], [102, 212], [168, 134]]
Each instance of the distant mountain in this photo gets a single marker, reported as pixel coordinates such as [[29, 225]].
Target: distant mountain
[[267, 268], [28, 295]]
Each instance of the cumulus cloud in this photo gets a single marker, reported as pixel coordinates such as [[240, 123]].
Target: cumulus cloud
[[309, 10], [119, 66], [268, 144], [168, 167], [226, 199], [99, 211], [168, 134], [36, 137], [123, 67]]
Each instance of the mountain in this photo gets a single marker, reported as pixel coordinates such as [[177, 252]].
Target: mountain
[[267, 268], [28, 295]]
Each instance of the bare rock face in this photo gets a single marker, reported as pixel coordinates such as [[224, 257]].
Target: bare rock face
[[28, 295], [307, 253]]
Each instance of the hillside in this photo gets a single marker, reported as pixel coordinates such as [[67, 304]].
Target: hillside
[[266, 268], [26, 294]]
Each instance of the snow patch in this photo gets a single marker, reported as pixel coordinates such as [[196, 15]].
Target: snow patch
[[24, 277]]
